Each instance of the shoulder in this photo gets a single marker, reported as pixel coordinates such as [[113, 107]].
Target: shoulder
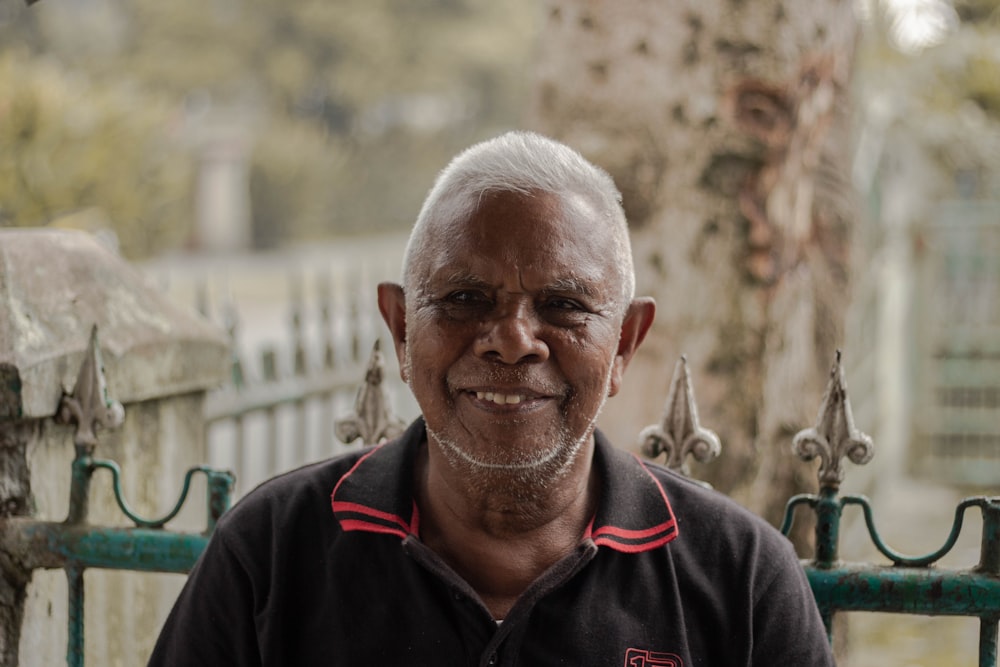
[[696, 503], [714, 527], [279, 504], [725, 550], [297, 506]]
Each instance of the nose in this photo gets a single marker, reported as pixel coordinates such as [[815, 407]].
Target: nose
[[511, 336]]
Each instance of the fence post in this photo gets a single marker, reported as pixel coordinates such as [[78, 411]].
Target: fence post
[[159, 360]]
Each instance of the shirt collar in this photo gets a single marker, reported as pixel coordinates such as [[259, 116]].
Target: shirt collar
[[633, 513]]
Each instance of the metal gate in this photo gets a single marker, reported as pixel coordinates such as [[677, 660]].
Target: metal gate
[[910, 585]]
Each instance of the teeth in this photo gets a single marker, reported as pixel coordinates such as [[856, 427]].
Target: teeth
[[500, 399]]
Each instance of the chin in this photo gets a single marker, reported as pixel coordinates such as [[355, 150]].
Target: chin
[[535, 465]]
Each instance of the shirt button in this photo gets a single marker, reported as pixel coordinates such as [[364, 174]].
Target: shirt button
[[492, 660]]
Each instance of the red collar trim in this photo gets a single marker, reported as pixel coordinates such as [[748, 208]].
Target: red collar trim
[[637, 540], [634, 514], [357, 516]]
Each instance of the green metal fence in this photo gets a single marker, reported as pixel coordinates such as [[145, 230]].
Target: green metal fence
[[74, 545], [909, 585]]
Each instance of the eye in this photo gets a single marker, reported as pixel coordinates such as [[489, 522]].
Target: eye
[[564, 311], [564, 304], [466, 297]]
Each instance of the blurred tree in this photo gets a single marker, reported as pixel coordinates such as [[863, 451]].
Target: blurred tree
[[725, 124], [728, 127], [352, 105], [978, 11], [938, 102], [66, 148]]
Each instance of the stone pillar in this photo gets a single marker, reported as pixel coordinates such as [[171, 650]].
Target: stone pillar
[[159, 361], [222, 198]]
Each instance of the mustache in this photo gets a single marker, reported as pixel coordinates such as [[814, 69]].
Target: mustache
[[518, 377]]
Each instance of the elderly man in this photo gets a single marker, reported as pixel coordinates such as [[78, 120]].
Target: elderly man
[[501, 528]]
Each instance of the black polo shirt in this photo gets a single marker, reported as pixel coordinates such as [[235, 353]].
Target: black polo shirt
[[667, 574]]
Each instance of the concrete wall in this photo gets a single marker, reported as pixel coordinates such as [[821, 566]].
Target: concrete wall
[[159, 360]]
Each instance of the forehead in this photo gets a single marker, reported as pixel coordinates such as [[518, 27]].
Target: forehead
[[544, 237]]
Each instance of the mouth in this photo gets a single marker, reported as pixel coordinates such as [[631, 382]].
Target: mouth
[[501, 399], [508, 398]]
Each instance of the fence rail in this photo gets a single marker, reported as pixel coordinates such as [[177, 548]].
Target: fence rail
[[909, 584], [277, 412]]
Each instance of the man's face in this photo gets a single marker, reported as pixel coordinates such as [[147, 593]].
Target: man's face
[[512, 330]]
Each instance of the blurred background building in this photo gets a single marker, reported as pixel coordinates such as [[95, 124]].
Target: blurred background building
[[261, 161]]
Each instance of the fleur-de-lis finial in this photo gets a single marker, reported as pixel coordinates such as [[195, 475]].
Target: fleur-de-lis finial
[[89, 406], [680, 434], [834, 436], [372, 420]]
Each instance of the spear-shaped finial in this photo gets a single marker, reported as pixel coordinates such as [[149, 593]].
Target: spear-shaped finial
[[834, 436], [372, 420], [680, 434], [89, 405]]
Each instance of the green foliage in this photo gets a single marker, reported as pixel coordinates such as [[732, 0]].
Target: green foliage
[[941, 102], [978, 11], [66, 147], [353, 105], [982, 80]]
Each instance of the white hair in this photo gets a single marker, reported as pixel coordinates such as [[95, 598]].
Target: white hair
[[523, 163]]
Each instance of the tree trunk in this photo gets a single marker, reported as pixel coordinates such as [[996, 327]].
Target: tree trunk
[[725, 124]]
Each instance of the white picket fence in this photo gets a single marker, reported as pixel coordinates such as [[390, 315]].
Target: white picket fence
[[303, 323]]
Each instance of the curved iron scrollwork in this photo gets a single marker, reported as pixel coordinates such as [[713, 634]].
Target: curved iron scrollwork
[[680, 434], [220, 485], [75, 544]]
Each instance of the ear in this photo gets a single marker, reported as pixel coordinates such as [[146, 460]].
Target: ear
[[635, 326], [392, 305]]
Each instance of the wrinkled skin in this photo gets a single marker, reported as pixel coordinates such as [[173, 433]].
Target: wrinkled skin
[[514, 332], [510, 337]]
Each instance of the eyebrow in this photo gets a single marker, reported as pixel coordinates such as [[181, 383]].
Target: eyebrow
[[466, 278], [559, 286], [573, 286]]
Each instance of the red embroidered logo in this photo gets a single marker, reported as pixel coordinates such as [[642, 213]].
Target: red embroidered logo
[[637, 657]]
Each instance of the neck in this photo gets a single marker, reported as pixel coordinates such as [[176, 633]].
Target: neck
[[499, 530]]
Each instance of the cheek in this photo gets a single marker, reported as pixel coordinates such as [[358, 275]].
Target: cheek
[[587, 368], [432, 349]]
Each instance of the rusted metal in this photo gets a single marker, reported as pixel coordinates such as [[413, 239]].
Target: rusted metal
[[926, 591], [911, 584], [75, 639], [908, 584], [680, 434], [372, 420], [56, 545], [74, 545]]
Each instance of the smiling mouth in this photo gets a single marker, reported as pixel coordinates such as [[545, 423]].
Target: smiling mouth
[[501, 399]]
